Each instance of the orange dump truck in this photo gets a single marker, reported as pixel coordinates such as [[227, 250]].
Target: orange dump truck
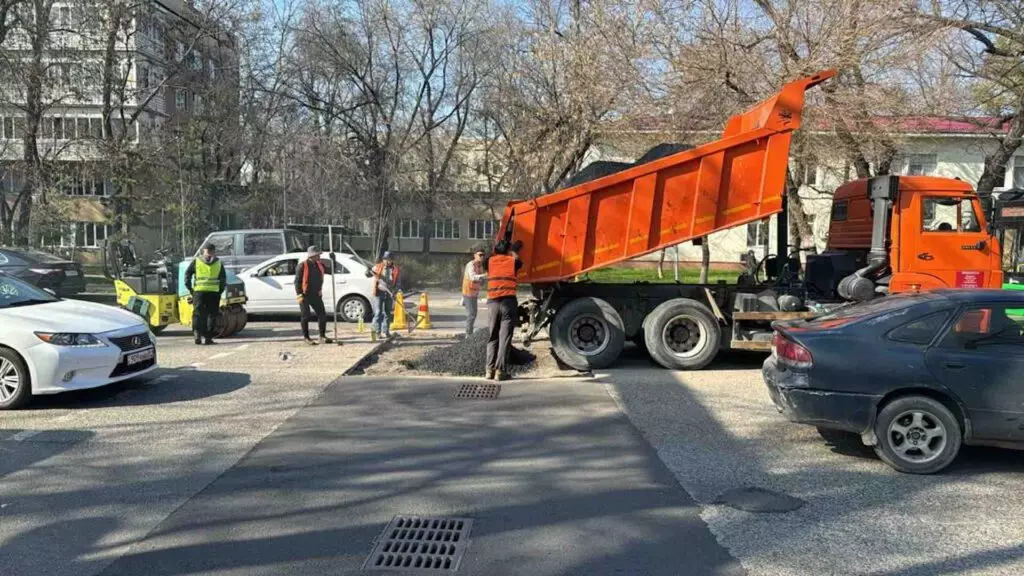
[[736, 179]]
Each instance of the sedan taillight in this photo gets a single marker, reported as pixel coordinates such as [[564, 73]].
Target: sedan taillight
[[791, 353]]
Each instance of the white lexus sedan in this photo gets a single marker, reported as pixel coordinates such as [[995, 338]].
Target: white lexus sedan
[[270, 286], [49, 345]]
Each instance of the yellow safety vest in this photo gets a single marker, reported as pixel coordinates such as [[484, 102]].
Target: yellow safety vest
[[207, 277]]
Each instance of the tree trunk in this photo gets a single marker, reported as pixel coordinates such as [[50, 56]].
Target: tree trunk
[[705, 260], [995, 163]]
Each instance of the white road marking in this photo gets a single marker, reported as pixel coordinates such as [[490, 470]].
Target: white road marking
[[243, 346], [221, 355], [25, 435], [195, 365]]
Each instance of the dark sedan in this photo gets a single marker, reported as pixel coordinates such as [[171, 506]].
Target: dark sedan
[[46, 271], [916, 376]]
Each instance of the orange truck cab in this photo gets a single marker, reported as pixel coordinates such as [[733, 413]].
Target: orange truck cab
[[892, 234]]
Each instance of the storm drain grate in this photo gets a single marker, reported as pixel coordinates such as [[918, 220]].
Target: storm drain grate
[[420, 543], [478, 391]]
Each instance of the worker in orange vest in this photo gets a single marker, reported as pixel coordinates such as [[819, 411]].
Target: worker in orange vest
[[386, 282], [502, 267], [472, 276], [309, 286]]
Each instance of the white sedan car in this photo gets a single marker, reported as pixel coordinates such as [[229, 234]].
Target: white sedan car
[[49, 345], [270, 286]]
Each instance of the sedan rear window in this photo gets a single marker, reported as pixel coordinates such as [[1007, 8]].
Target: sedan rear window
[[920, 331], [876, 307]]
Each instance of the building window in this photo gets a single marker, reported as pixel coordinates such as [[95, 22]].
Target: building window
[[757, 234], [213, 70], [181, 99], [1018, 172], [81, 182], [360, 228], [7, 129], [920, 164], [78, 235], [90, 234], [446, 229], [179, 51], [197, 104], [143, 79], [195, 61], [483, 229], [407, 228], [64, 17]]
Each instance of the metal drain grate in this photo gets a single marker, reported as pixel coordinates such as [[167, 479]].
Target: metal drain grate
[[417, 543], [479, 391]]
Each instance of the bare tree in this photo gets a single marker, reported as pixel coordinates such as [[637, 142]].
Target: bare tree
[[987, 47]]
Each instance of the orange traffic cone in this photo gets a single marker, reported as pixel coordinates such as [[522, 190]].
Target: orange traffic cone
[[423, 315], [400, 321]]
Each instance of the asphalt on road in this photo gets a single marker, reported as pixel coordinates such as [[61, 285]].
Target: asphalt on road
[[716, 429]]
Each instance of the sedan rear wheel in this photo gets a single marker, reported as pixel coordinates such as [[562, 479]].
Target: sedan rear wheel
[[15, 387], [917, 435]]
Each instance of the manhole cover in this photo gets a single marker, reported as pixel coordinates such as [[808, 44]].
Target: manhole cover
[[420, 543], [479, 391], [751, 499]]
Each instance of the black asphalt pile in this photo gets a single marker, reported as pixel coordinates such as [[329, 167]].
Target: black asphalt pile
[[468, 357]]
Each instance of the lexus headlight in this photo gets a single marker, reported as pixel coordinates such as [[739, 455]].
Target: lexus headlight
[[70, 339]]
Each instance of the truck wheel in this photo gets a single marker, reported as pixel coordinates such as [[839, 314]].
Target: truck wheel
[[587, 333], [682, 334]]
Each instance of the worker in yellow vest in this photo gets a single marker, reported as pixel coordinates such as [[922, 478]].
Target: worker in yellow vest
[[205, 279], [472, 276], [502, 267]]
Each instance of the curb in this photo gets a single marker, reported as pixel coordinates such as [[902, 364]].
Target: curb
[[373, 350]]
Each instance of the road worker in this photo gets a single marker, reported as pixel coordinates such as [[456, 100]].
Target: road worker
[[205, 279], [502, 267], [386, 282], [472, 276], [309, 289]]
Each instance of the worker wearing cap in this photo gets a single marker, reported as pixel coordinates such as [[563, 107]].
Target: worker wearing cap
[[386, 282], [309, 289], [502, 267], [472, 276], [205, 279]]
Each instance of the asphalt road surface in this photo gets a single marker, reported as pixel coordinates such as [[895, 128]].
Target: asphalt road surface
[[255, 457]]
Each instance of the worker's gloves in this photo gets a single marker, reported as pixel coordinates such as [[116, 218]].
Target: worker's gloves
[[189, 299], [300, 298]]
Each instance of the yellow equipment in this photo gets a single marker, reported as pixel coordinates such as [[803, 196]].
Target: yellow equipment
[[158, 294]]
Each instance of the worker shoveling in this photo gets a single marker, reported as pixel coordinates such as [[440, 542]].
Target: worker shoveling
[[466, 358]]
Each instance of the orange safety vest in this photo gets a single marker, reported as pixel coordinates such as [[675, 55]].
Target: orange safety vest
[[501, 277], [378, 269], [471, 288], [305, 274]]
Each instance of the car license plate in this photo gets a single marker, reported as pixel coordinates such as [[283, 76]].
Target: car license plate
[[137, 357], [71, 272]]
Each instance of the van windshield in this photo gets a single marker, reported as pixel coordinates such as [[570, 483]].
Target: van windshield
[[294, 241]]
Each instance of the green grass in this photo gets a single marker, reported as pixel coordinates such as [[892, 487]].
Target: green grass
[[686, 275]]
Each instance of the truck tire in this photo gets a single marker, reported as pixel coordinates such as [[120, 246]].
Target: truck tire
[[682, 334], [587, 334]]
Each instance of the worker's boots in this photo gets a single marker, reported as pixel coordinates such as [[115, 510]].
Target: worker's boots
[[325, 340], [502, 376], [197, 338], [489, 374]]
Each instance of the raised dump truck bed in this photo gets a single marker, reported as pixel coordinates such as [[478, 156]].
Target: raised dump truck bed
[[736, 179]]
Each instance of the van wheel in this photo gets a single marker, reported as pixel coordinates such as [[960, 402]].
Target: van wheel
[[917, 435], [587, 333], [682, 334], [15, 385], [352, 308]]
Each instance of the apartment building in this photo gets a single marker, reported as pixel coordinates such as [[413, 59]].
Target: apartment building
[[170, 61]]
